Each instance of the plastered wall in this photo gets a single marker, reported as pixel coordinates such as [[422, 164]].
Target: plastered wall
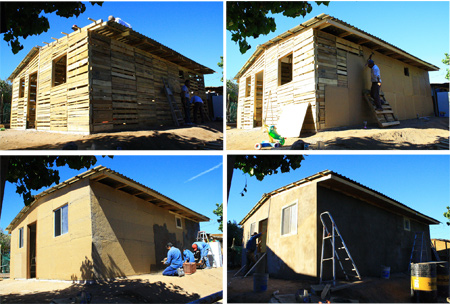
[[291, 256], [129, 234], [59, 257]]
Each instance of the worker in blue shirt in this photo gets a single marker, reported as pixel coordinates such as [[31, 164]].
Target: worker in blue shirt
[[174, 260], [188, 256], [251, 248], [203, 248]]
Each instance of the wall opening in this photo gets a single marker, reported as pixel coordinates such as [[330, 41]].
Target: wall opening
[[406, 71], [285, 68], [22, 87], [258, 105], [32, 95], [289, 219], [248, 86], [32, 251], [263, 239], [61, 220], [59, 70]]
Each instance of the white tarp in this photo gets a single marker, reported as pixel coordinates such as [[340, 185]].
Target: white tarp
[[216, 251], [291, 120]]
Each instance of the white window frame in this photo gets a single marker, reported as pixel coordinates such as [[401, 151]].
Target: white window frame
[[21, 237], [61, 220], [176, 222], [406, 220], [252, 228], [293, 215]]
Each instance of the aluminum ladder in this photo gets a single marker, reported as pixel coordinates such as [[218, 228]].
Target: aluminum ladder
[[418, 252], [202, 237], [332, 235]]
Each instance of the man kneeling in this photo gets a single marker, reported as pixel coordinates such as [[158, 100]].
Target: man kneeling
[[174, 260]]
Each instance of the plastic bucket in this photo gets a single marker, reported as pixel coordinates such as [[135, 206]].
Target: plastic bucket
[[424, 282], [260, 281], [385, 272]]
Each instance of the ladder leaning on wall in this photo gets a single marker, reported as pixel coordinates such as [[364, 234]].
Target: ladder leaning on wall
[[337, 243], [177, 115]]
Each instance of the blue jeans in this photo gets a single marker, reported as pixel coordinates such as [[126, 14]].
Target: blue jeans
[[187, 110], [169, 271], [205, 255]]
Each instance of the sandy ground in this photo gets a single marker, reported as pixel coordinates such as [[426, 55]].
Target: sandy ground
[[151, 288], [371, 290], [421, 134], [205, 136]]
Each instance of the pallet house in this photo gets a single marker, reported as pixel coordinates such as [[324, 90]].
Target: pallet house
[[316, 73], [101, 77], [378, 230], [98, 225]]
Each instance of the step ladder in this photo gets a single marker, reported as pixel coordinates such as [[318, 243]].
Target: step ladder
[[337, 246], [202, 237], [177, 114], [385, 118], [419, 252]]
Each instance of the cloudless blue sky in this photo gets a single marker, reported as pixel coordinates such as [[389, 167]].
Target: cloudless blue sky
[[177, 177], [420, 182], [419, 28], [194, 29]]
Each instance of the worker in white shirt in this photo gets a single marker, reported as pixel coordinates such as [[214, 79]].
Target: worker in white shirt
[[375, 78], [198, 106]]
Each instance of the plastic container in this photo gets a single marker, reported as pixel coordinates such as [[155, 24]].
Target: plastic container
[[260, 281], [385, 272]]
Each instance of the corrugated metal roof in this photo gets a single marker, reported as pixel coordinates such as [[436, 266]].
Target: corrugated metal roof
[[100, 173], [324, 177], [334, 23]]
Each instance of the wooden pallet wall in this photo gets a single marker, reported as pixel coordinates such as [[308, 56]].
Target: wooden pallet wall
[[19, 105], [127, 86]]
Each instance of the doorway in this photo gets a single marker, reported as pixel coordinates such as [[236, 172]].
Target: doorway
[[263, 240], [31, 105], [258, 109], [32, 251]]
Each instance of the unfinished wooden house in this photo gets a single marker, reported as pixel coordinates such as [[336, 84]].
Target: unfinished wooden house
[[378, 230], [101, 77], [98, 225], [314, 75]]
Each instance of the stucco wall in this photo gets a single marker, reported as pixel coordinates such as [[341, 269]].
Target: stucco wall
[[130, 234], [374, 236], [291, 256], [60, 257]]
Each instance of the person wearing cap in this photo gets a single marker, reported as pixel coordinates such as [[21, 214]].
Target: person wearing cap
[[204, 249], [375, 78], [174, 260], [188, 256], [250, 248]]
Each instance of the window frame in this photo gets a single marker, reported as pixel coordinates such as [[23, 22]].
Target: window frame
[[61, 230], [406, 227], [176, 222], [252, 228], [248, 86], [53, 70], [21, 237], [294, 228], [22, 87], [406, 72], [279, 69]]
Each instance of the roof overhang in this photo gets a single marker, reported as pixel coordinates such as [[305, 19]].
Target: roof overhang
[[121, 183], [24, 62], [345, 31], [337, 182]]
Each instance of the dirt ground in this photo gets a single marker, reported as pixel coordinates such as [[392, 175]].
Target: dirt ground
[[205, 136], [151, 288], [412, 134], [371, 290]]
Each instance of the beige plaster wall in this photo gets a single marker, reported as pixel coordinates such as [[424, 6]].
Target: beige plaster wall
[[58, 257], [130, 234], [291, 255]]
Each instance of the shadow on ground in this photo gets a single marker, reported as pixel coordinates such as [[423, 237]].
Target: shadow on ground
[[120, 291], [130, 140]]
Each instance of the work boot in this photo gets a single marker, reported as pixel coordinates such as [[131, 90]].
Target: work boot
[[180, 272]]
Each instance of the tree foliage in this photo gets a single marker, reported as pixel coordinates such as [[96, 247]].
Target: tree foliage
[[262, 165], [234, 231], [446, 61], [232, 90], [34, 172], [5, 91], [220, 65], [447, 215], [219, 213], [23, 19], [5, 241], [249, 19]]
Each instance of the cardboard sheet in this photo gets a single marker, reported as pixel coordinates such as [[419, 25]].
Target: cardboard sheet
[[291, 120]]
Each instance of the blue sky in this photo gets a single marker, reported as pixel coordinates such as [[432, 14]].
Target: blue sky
[[194, 29], [419, 28], [421, 182], [193, 181]]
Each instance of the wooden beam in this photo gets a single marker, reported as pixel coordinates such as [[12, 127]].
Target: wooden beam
[[345, 34]]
